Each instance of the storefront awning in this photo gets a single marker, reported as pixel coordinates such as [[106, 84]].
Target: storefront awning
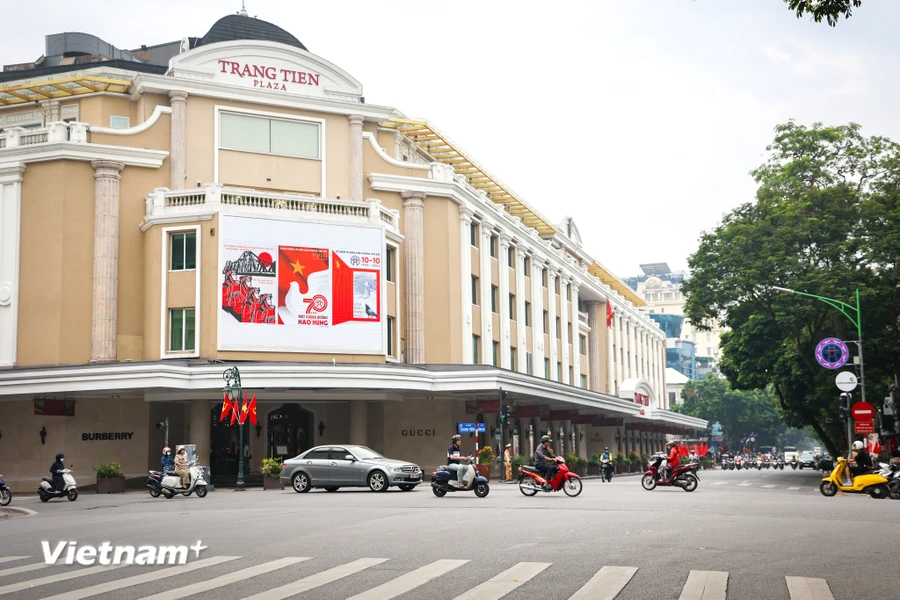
[[56, 88]]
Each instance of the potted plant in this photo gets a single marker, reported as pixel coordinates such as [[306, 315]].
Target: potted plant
[[635, 461], [485, 458], [572, 462], [620, 463], [110, 478], [645, 461], [516, 462], [594, 465], [271, 470], [582, 466]]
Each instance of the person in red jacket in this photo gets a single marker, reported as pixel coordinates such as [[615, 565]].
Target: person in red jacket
[[670, 462]]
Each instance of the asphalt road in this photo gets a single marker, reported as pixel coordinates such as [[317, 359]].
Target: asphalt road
[[755, 528]]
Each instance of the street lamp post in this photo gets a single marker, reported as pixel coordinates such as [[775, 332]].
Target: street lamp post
[[846, 310], [233, 388]]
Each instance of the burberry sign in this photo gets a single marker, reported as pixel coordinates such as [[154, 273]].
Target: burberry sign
[[268, 77]]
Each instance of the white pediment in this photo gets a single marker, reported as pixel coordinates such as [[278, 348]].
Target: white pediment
[[266, 66], [571, 231]]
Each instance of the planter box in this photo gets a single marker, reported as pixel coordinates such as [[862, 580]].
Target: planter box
[[111, 485], [593, 469], [619, 469], [272, 483], [484, 470]]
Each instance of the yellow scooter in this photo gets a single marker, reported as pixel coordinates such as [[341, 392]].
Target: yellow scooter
[[873, 484]]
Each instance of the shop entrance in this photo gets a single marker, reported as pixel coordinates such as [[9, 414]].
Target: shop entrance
[[224, 451], [290, 431]]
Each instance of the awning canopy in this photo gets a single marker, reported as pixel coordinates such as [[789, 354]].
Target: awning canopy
[[601, 273], [60, 87]]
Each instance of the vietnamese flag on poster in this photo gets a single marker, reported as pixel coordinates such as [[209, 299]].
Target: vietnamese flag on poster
[[226, 408], [341, 292], [302, 280]]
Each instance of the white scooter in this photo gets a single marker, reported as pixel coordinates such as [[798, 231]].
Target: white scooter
[[47, 489], [171, 483]]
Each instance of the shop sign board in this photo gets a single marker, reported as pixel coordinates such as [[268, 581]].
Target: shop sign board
[[292, 286]]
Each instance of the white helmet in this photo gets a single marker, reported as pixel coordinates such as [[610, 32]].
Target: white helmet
[[167, 450], [857, 445]]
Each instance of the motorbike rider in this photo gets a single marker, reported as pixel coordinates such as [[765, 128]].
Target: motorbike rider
[[454, 460], [607, 455], [863, 460], [669, 462], [56, 470], [168, 463], [545, 460]]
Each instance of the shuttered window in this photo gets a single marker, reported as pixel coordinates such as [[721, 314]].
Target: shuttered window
[[247, 133]]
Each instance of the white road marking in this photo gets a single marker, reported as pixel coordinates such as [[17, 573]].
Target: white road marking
[[27, 585], [720, 483], [745, 484], [705, 585], [505, 582], [806, 588], [770, 486], [605, 584], [23, 569], [155, 576], [4, 559], [793, 488], [319, 579], [211, 584], [410, 581]]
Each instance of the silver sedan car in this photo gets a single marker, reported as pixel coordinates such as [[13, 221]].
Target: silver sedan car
[[333, 467]]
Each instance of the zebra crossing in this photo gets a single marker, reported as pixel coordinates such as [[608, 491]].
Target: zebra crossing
[[767, 486], [606, 584]]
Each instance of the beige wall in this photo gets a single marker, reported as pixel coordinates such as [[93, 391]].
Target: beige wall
[[268, 172], [436, 415]]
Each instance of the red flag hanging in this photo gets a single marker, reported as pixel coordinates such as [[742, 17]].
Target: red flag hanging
[[609, 314], [244, 409], [234, 412], [253, 410], [226, 408]]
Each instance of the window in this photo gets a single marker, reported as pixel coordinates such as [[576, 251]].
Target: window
[[529, 363], [558, 329], [527, 314], [512, 307], [546, 322], [476, 344], [390, 337], [475, 290], [582, 345], [183, 256], [511, 257], [569, 292], [495, 299], [544, 275], [181, 330], [671, 398], [473, 234], [119, 122], [556, 285], [320, 454], [571, 376], [495, 356], [527, 266], [513, 358], [708, 336], [559, 371], [495, 241], [546, 368], [584, 382], [390, 258], [247, 133], [570, 338]]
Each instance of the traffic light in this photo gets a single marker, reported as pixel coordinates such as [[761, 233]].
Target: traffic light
[[844, 406], [504, 410]]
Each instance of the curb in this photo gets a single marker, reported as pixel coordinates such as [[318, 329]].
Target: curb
[[25, 511]]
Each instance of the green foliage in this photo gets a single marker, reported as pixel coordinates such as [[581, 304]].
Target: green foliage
[[271, 467], [634, 458], [595, 460], [620, 458], [486, 455], [830, 10], [825, 222], [645, 458], [516, 462], [109, 470]]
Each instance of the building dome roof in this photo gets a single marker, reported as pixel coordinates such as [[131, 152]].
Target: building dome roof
[[243, 27]]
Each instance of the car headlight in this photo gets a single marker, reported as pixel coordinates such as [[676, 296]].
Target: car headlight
[[397, 469]]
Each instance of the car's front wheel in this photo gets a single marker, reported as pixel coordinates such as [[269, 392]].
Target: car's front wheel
[[377, 481], [301, 483]]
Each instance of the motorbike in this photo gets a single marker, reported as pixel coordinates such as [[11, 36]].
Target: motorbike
[[779, 464], [891, 472], [724, 463], [70, 490], [440, 481], [531, 482], [606, 470], [794, 464], [683, 476], [759, 465], [5, 494], [169, 484], [874, 484], [731, 464]]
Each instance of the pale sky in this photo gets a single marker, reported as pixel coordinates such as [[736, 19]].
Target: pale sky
[[641, 119]]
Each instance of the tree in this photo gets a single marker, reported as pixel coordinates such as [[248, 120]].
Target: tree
[[740, 412], [824, 222], [830, 10]]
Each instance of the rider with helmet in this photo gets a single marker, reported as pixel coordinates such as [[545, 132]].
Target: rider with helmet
[[56, 470], [545, 460], [863, 460], [670, 462], [168, 463], [454, 462]]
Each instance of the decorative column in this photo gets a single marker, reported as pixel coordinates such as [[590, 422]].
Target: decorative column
[[565, 316], [414, 260], [594, 365], [358, 422], [537, 317], [611, 387], [551, 322], [662, 369], [576, 335], [465, 268], [178, 140], [620, 350], [639, 333], [356, 157], [522, 331], [487, 320], [10, 227], [632, 350], [104, 324], [505, 340], [200, 427]]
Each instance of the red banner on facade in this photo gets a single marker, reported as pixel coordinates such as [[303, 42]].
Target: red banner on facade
[[54, 408], [473, 407], [605, 422], [526, 412], [561, 415], [583, 420]]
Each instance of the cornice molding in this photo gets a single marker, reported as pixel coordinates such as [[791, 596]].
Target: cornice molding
[[130, 157], [150, 122]]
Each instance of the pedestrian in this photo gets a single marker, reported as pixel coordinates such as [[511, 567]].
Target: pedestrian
[[507, 462]]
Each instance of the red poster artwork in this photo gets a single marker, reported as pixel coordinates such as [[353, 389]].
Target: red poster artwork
[[356, 293], [303, 286], [248, 283]]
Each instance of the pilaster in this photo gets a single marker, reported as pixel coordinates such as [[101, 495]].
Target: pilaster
[[523, 348], [594, 320], [611, 387], [487, 320], [505, 340], [10, 230], [537, 319], [576, 335], [564, 323], [104, 325], [465, 247], [178, 140], [414, 261], [551, 322], [356, 157]]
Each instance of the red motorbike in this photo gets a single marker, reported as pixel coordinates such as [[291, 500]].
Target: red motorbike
[[531, 482], [683, 476]]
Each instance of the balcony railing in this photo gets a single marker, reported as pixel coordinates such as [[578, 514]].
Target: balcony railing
[[57, 131], [167, 203], [583, 318]]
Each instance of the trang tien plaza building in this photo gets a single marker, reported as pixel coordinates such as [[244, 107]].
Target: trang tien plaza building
[[172, 211]]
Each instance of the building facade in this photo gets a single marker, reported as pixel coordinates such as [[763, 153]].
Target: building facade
[[233, 200]]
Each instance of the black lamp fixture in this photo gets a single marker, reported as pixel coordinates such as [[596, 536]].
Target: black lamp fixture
[[43, 433], [321, 428], [233, 390], [258, 430]]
